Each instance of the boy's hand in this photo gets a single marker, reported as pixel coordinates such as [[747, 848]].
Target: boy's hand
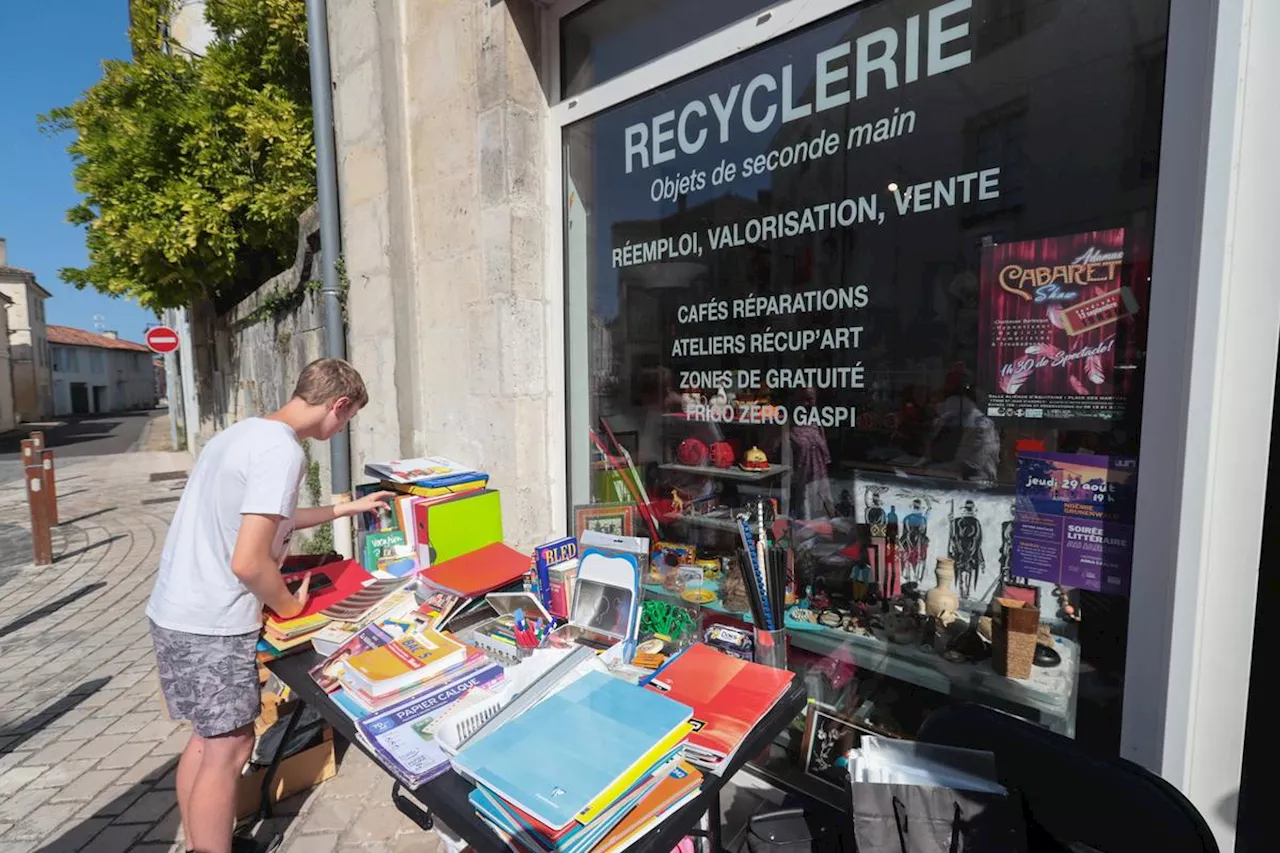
[[369, 503], [303, 593], [296, 601]]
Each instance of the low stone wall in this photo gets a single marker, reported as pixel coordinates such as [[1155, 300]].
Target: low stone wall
[[248, 359]]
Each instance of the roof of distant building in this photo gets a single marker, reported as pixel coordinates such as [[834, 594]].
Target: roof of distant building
[[25, 274], [67, 336]]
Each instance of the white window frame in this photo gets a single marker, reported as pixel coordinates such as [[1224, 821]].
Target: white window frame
[[1183, 710]]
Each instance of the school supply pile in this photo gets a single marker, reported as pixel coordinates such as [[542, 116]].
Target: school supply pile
[[541, 792], [729, 697], [331, 585], [394, 613]]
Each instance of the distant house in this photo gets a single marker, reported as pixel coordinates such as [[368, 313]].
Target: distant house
[[28, 348], [96, 373]]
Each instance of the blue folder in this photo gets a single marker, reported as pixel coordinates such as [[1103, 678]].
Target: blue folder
[[555, 758]]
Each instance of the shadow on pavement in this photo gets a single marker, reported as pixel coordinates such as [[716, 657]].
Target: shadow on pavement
[[87, 548], [145, 813], [87, 516], [49, 609], [26, 729]]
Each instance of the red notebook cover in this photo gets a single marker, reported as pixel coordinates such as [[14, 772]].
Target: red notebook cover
[[728, 696], [348, 579], [472, 575]]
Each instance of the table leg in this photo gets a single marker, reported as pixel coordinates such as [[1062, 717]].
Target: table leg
[[264, 811], [714, 843], [411, 808]]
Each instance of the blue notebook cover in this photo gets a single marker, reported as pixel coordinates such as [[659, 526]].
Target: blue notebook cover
[[531, 763]]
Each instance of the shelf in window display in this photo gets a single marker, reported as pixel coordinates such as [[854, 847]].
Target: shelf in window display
[[734, 473], [1049, 692]]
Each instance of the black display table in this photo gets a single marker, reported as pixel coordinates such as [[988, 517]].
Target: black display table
[[446, 796]]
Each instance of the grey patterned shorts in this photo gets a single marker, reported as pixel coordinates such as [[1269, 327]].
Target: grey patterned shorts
[[211, 681]]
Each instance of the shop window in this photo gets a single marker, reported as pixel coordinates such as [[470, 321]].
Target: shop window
[[610, 37], [887, 286]]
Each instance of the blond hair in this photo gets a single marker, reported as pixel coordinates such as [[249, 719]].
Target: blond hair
[[328, 379]]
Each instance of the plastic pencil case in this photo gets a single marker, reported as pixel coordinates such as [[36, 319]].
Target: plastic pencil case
[[464, 719]]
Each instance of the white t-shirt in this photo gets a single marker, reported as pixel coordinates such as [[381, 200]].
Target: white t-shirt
[[253, 467]]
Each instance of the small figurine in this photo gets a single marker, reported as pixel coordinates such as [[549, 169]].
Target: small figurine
[[677, 502], [821, 601], [754, 460]]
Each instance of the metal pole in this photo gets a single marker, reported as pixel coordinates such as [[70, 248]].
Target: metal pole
[[41, 539], [50, 486], [172, 385], [335, 340], [190, 402]]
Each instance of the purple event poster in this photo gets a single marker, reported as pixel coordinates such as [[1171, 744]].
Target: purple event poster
[[1073, 523]]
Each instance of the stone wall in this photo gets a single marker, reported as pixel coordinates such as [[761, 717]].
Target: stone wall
[[248, 359], [440, 118]]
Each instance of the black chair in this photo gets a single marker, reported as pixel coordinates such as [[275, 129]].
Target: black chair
[[1076, 801]]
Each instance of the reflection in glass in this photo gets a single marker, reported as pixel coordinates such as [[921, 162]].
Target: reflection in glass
[[911, 284]]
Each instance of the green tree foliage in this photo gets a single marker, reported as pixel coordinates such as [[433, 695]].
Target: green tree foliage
[[194, 168]]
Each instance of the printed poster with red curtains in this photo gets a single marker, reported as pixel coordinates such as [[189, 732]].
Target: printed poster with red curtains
[[1063, 326]]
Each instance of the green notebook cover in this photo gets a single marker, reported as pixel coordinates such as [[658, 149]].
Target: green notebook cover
[[460, 525]]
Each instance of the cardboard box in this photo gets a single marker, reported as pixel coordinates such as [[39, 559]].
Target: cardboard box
[[295, 774], [273, 708]]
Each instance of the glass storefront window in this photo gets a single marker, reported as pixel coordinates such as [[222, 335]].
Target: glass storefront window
[[889, 275], [609, 37]]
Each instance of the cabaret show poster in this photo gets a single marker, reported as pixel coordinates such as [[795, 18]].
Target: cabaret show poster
[[1061, 324], [1073, 520]]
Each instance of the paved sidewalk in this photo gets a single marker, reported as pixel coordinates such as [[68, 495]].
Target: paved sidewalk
[[87, 753]]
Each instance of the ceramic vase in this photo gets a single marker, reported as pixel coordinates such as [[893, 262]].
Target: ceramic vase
[[943, 601]]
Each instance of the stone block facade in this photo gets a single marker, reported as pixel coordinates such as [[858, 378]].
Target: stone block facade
[[440, 133]]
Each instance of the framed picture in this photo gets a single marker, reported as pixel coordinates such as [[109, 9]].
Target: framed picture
[[615, 519], [827, 740]]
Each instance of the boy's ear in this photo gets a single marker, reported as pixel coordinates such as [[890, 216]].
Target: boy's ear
[[341, 405]]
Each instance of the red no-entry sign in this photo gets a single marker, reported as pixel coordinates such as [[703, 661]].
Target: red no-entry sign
[[162, 339]]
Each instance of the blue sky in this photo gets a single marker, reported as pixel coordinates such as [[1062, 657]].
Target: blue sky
[[54, 51]]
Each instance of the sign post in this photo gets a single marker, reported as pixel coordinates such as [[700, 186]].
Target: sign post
[[161, 340]]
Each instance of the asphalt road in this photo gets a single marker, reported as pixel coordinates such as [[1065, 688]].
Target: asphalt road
[[91, 435]]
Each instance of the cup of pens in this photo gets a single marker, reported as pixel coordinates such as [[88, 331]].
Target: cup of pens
[[764, 568], [529, 635]]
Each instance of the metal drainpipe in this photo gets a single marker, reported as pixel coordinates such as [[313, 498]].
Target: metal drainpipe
[[335, 341]]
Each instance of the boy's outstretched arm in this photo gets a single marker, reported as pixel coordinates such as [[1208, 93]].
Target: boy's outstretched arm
[[311, 516], [253, 565]]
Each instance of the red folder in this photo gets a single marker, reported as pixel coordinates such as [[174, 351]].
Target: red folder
[[728, 696], [348, 579], [480, 572]]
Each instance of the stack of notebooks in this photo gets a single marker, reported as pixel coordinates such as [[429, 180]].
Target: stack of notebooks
[[285, 635], [382, 600], [397, 667], [729, 698], [545, 793]]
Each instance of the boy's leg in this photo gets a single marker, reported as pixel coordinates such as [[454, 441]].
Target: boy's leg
[[188, 766], [213, 682], [211, 815]]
